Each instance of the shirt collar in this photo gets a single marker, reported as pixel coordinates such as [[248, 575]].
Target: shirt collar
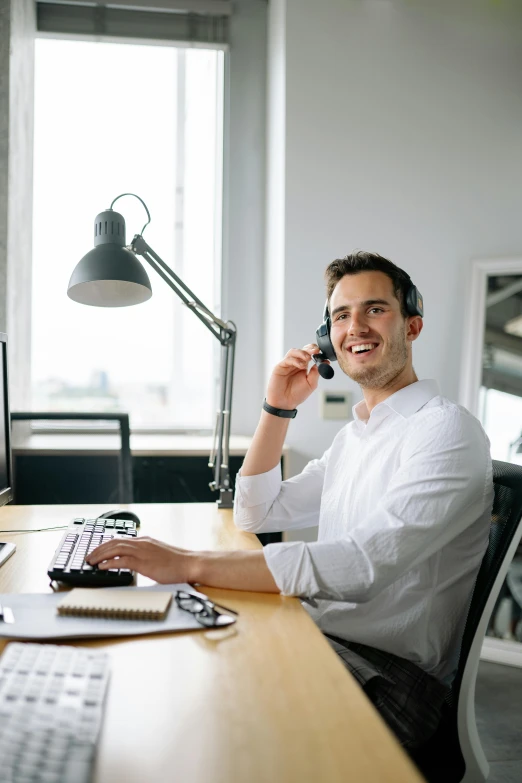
[[405, 402]]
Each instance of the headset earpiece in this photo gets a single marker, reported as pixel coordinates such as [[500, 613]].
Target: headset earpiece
[[322, 336], [413, 301]]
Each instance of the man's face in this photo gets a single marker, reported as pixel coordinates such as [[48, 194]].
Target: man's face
[[372, 339]]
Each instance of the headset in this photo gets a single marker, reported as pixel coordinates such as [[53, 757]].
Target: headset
[[414, 306]]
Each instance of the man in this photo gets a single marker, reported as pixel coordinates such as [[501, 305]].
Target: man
[[402, 499]]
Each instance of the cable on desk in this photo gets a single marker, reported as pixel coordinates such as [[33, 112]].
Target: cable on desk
[[35, 530]]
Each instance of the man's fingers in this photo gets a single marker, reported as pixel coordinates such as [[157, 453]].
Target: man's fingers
[[297, 358], [109, 549], [118, 562], [313, 377], [293, 362]]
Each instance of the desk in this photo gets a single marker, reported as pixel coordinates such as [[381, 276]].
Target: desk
[[51, 467], [266, 701]]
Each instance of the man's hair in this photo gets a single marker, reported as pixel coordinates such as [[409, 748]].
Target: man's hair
[[363, 261]]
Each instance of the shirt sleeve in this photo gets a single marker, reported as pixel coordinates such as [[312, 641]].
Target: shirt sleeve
[[267, 504], [444, 484]]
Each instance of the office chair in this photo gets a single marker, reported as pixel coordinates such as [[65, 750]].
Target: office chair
[[454, 754], [124, 491]]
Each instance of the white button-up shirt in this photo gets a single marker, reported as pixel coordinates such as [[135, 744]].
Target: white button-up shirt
[[402, 499]]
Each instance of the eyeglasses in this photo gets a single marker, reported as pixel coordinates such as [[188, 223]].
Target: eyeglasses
[[203, 609]]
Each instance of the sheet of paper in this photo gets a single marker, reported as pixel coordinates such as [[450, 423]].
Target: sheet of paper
[[36, 618]]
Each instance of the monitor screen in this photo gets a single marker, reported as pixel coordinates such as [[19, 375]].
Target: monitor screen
[[6, 484]]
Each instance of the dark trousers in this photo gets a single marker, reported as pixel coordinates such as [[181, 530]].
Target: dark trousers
[[410, 700]]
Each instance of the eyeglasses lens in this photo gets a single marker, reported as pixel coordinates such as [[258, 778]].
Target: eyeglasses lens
[[191, 604], [205, 614]]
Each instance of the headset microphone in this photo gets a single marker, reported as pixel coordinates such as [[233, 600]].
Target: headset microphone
[[325, 370]]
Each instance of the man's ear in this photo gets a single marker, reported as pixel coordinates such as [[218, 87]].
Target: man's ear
[[415, 324]]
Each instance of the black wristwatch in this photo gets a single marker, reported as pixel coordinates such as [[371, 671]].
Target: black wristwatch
[[281, 412]]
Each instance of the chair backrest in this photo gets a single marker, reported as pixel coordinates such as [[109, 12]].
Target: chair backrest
[[125, 488], [462, 740], [504, 536], [454, 754]]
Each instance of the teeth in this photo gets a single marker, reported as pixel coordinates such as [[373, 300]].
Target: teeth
[[358, 348]]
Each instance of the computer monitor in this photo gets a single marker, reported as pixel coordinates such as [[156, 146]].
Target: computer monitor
[[6, 462]]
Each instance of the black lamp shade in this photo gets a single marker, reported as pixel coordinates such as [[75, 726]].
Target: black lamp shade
[[109, 275]]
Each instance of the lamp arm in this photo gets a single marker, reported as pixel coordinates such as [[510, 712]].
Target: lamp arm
[[219, 328], [226, 334]]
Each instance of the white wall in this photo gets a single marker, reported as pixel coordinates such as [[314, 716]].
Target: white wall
[[403, 134], [244, 207]]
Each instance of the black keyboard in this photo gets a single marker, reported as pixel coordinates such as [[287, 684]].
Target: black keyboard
[[83, 535]]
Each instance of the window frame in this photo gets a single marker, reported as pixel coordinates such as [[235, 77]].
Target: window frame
[[474, 324], [493, 649]]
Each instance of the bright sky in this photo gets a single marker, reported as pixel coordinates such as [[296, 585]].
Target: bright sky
[[105, 123]]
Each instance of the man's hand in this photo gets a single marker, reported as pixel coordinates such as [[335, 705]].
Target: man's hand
[[159, 561], [166, 564], [291, 382]]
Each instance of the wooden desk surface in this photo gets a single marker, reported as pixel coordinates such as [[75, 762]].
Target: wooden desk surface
[[266, 701]]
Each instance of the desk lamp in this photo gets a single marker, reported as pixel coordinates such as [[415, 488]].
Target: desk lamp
[[110, 275]]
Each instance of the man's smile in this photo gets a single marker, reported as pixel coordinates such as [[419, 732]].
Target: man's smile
[[361, 350]]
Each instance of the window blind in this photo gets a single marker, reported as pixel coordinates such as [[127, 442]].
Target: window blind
[[193, 21]]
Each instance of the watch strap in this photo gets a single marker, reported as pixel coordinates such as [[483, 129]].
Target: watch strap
[[280, 412]]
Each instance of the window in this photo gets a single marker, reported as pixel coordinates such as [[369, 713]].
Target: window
[[114, 118]]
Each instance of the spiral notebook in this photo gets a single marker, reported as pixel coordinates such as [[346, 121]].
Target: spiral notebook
[[125, 605]]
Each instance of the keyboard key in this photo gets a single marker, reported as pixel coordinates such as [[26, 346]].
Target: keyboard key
[[69, 564]]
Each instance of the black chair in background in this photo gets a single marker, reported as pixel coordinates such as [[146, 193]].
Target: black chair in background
[[454, 754], [58, 479]]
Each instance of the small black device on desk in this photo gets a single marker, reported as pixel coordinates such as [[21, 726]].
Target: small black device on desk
[[82, 537]]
